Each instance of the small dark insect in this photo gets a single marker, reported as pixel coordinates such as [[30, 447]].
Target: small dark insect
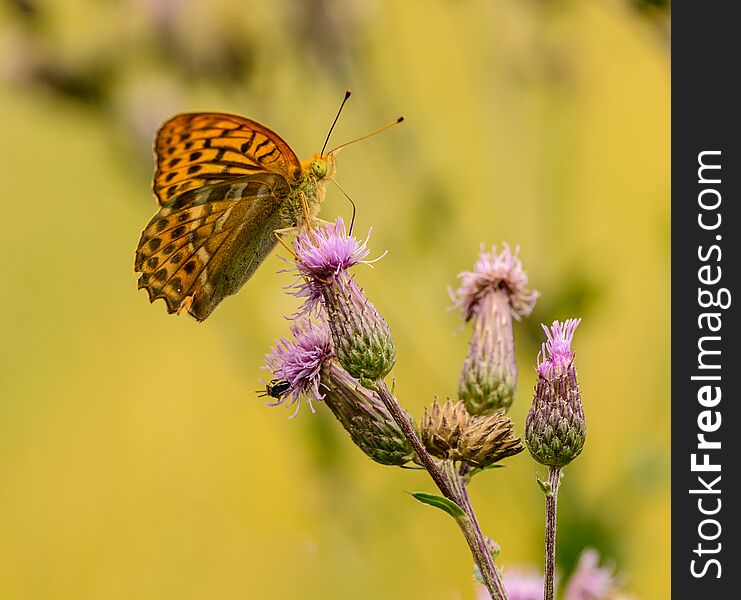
[[275, 389]]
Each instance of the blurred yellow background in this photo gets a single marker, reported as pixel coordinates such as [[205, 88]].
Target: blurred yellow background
[[136, 460]]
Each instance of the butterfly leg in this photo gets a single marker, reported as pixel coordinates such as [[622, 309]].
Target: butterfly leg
[[311, 221], [185, 305], [305, 209], [279, 233]]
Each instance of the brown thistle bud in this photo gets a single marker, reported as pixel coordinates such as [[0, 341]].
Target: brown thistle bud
[[441, 428], [450, 432], [487, 440]]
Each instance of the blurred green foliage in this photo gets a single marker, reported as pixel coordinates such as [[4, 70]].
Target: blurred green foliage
[[135, 458]]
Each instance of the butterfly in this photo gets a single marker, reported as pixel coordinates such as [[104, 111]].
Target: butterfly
[[225, 185]]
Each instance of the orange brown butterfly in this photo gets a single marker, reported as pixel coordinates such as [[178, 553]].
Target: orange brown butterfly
[[227, 188]]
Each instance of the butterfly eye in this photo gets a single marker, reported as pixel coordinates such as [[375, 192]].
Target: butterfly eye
[[319, 168]]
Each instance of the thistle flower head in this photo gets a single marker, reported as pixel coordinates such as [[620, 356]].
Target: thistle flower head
[[492, 295], [364, 416], [555, 429], [520, 585], [321, 254], [442, 426], [495, 271], [298, 362], [362, 339], [556, 355], [589, 581], [523, 585], [450, 432], [324, 251], [306, 367], [488, 439]]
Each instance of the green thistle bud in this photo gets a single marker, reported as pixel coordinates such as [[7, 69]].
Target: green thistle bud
[[492, 295], [363, 415], [362, 339], [488, 440], [555, 428], [489, 375]]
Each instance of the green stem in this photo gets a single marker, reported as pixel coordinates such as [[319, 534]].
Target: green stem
[[551, 503]]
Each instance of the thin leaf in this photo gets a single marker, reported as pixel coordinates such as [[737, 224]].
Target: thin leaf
[[442, 503], [477, 575]]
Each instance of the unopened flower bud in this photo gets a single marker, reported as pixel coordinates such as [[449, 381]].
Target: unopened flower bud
[[487, 440], [555, 428], [362, 339], [441, 428], [364, 417], [451, 433], [492, 295]]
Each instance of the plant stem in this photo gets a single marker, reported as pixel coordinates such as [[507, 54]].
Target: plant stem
[[408, 430], [551, 502], [474, 536], [452, 486]]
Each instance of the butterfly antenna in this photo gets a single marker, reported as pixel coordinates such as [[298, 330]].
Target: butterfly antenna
[[367, 135], [352, 221], [347, 95]]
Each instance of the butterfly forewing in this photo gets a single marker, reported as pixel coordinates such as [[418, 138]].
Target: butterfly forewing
[[207, 242], [196, 149]]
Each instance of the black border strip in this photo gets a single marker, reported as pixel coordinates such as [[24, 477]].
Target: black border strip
[[705, 119]]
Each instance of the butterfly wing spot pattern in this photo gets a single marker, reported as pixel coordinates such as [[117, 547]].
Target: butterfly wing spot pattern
[[199, 148], [224, 184], [190, 248]]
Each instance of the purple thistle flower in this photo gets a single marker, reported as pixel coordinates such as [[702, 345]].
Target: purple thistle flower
[[323, 252], [493, 272], [492, 295], [362, 339], [299, 362], [556, 355], [321, 255], [589, 581], [520, 585], [555, 428], [306, 367]]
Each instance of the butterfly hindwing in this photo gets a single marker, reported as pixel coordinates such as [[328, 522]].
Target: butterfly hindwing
[[205, 244], [197, 149]]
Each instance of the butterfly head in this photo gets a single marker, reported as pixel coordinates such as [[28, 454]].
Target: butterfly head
[[323, 167]]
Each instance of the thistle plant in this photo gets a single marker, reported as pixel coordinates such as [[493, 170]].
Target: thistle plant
[[555, 428], [491, 296], [341, 350], [309, 366]]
